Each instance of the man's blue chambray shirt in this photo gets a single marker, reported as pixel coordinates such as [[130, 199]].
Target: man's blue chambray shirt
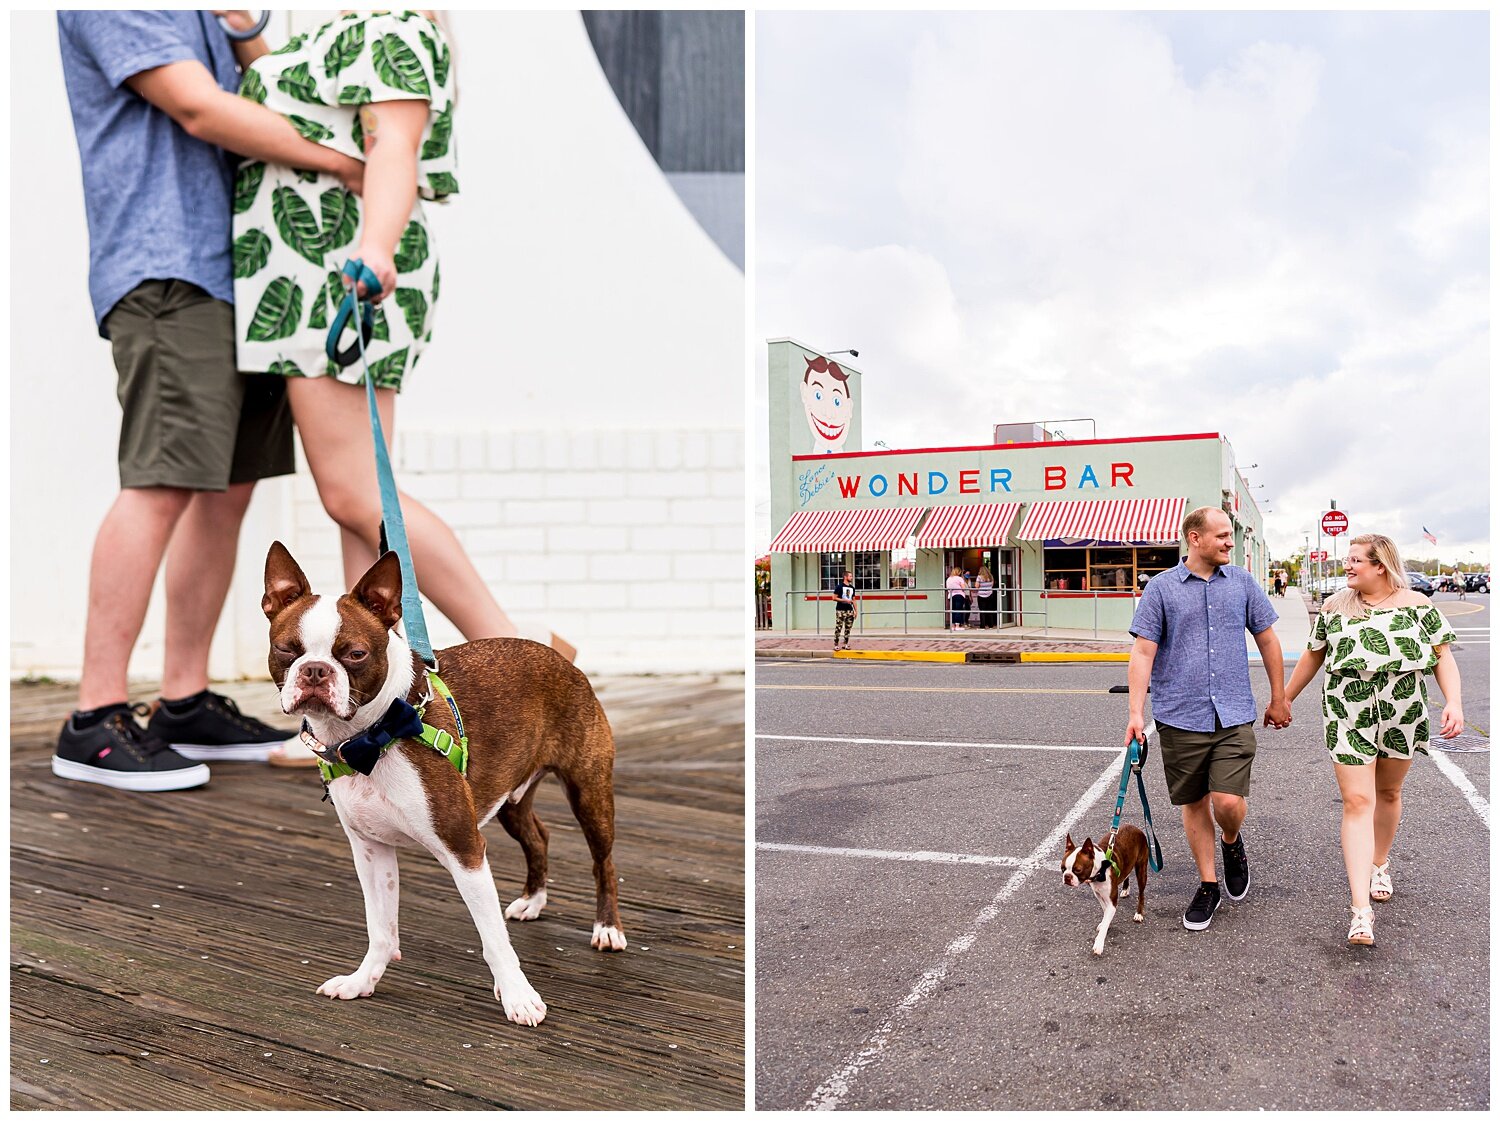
[[158, 201], [1202, 667]]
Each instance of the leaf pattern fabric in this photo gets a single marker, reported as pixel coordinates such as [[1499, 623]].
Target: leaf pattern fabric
[[1374, 697], [295, 230]]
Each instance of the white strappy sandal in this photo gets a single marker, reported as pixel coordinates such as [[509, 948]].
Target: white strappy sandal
[[1380, 883], [1362, 926]]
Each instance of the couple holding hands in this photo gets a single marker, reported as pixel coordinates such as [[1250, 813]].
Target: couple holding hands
[[1376, 639]]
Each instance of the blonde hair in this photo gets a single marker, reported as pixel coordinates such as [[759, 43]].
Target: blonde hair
[[1383, 552]]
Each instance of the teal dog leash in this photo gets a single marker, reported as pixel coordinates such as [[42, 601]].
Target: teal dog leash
[[393, 526], [1133, 764]]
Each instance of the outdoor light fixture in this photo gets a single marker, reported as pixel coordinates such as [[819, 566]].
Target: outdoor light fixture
[[831, 353]]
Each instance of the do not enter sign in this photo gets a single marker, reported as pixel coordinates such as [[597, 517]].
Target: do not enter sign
[[1317, 555], [1335, 522]]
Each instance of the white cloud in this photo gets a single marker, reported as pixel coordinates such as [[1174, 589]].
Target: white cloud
[[1080, 228]]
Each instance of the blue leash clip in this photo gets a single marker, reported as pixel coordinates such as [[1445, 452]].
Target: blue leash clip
[[1134, 763], [357, 273]]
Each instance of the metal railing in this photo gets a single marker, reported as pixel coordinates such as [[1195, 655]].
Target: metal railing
[[935, 601]]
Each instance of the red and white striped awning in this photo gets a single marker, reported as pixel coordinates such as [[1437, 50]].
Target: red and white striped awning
[[967, 526], [1152, 520], [825, 531]]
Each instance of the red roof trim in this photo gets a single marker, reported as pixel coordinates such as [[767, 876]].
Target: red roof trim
[[1007, 447]]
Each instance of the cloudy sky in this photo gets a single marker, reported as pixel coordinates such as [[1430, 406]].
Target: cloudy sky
[[1272, 226]]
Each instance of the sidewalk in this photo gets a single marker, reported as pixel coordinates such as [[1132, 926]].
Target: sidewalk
[[1012, 644]]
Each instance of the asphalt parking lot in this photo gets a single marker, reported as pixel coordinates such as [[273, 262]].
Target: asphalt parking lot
[[916, 947]]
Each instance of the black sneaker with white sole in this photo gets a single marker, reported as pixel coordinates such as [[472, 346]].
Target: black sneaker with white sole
[[211, 727], [1201, 910], [1236, 868], [114, 751]]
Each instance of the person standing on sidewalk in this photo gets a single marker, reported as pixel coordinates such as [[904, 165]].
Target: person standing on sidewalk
[[153, 104], [844, 611], [1190, 647], [958, 599]]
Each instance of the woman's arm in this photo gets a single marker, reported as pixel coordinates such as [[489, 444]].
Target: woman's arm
[[1307, 668], [393, 133], [1446, 673]]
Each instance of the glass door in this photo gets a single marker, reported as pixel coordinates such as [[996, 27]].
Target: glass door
[[1008, 581]]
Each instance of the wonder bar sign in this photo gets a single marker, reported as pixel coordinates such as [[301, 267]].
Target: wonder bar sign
[[1029, 472], [932, 482]]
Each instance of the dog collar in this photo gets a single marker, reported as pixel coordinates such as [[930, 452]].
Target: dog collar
[[401, 721], [1110, 861]]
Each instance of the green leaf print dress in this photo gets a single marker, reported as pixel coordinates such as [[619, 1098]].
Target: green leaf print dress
[[295, 229], [1374, 698]]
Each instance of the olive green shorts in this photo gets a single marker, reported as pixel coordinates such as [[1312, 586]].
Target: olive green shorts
[[191, 419], [1196, 763]]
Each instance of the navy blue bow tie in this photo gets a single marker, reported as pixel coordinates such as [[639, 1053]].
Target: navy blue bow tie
[[362, 752]]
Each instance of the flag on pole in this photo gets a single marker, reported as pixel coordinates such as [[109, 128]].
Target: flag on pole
[[1427, 533]]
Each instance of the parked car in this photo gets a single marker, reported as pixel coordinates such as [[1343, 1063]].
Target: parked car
[[1420, 583], [1477, 582]]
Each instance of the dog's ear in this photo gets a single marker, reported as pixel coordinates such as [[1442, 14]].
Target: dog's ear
[[1088, 844], [1068, 845], [380, 589], [285, 582]]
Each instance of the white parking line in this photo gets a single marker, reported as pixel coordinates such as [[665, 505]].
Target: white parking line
[[835, 1088], [941, 743], [882, 854], [1465, 787]]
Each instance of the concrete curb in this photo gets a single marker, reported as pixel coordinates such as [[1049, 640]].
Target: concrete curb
[[952, 657]]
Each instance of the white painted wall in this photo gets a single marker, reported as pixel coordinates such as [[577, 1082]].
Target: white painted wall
[[583, 312]]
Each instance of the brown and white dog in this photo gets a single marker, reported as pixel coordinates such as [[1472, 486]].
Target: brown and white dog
[[1089, 865], [527, 711]]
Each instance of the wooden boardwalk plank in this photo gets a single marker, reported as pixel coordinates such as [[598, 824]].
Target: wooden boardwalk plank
[[165, 948]]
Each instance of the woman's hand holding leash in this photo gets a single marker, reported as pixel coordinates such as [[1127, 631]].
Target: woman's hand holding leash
[[383, 265]]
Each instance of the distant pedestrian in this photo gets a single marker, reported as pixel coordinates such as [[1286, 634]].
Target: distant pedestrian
[[985, 586], [1460, 584], [1384, 637], [958, 599], [845, 608], [1190, 648]]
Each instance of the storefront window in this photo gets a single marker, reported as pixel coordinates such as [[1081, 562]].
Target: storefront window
[[1111, 570], [1065, 569], [833, 568], [867, 571], [904, 568], [1106, 568]]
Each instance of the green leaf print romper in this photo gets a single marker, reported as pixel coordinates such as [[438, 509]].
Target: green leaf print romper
[[295, 229], [1374, 697]]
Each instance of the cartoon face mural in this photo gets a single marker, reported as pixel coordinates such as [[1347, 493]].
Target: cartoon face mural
[[830, 408]]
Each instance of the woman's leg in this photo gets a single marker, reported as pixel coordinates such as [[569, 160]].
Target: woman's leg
[[1389, 775], [1357, 785], [334, 424]]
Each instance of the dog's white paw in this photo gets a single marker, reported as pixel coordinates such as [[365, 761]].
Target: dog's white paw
[[607, 937], [1125, 889], [1098, 951], [527, 907], [352, 987], [1138, 917], [522, 1003]]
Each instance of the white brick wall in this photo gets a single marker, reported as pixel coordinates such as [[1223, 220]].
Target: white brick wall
[[630, 544]]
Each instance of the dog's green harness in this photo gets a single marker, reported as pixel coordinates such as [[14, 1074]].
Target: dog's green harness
[[331, 764]]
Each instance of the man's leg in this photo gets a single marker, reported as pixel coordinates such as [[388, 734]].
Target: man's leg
[[1229, 812], [127, 554], [200, 564], [1198, 824]]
